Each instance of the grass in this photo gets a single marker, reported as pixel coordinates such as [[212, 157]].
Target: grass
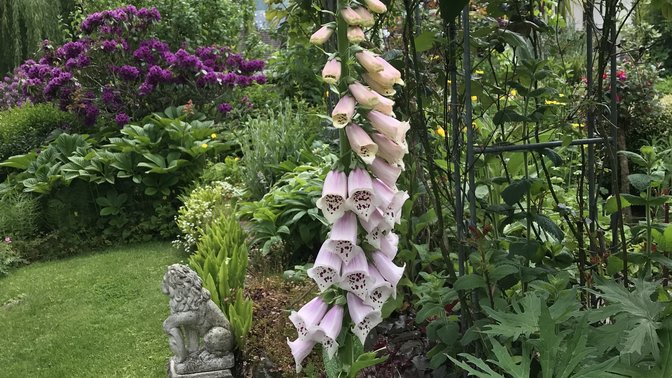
[[97, 315]]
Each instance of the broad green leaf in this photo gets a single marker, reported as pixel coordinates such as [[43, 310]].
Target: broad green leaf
[[451, 9], [640, 181], [614, 265], [508, 363], [513, 193], [611, 206], [424, 41], [508, 114], [549, 226], [634, 157], [469, 282]]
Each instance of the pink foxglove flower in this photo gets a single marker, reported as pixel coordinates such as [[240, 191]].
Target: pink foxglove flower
[[385, 105], [308, 316], [376, 228], [343, 238], [386, 91], [392, 213], [375, 6], [355, 277], [389, 126], [388, 270], [364, 317], [363, 95], [361, 143], [356, 35], [380, 291], [343, 111], [300, 350], [328, 329], [331, 73], [327, 269], [322, 35], [365, 16], [390, 70], [389, 150], [361, 198], [369, 61], [388, 245], [387, 173], [384, 195], [334, 194], [351, 17]]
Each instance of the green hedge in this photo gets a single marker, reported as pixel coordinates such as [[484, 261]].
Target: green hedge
[[25, 128]]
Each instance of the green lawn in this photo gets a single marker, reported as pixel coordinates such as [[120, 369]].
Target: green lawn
[[97, 315]]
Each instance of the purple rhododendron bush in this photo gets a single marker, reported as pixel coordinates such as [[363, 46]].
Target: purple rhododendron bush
[[120, 71]]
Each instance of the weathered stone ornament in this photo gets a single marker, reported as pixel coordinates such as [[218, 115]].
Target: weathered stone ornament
[[193, 316]]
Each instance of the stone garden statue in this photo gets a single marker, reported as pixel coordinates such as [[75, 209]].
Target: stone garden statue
[[194, 316]]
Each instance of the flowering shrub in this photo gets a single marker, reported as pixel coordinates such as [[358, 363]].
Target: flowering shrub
[[118, 71], [354, 268], [200, 208]]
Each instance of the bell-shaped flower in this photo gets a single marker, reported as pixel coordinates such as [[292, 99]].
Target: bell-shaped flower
[[387, 173], [355, 34], [392, 212], [389, 150], [389, 244], [388, 270], [375, 6], [385, 105], [343, 111], [327, 269], [322, 35], [327, 331], [369, 61], [389, 126], [380, 290], [384, 194], [343, 238], [361, 143], [386, 91], [300, 350], [390, 71], [366, 18], [376, 228], [361, 199], [331, 73], [355, 277], [308, 316], [351, 17], [334, 193], [364, 318], [364, 95]]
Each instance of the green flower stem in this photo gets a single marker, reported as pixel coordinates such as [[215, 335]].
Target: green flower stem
[[344, 54]]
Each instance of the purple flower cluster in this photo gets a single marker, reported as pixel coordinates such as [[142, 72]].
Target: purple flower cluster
[[104, 73], [111, 21]]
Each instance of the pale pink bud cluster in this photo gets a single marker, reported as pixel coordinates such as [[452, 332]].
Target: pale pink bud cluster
[[363, 206]]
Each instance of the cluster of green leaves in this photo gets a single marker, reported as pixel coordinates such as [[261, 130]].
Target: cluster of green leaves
[[286, 217], [28, 127], [124, 187], [272, 138], [221, 262], [192, 22], [202, 205]]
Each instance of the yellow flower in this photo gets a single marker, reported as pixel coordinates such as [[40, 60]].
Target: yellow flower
[[474, 98], [575, 125], [441, 132], [213, 135], [236, 158], [513, 93], [204, 145], [479, 72], [562, 95], [553, 102]]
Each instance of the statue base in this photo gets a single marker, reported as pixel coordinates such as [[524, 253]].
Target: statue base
[[202, 365]]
